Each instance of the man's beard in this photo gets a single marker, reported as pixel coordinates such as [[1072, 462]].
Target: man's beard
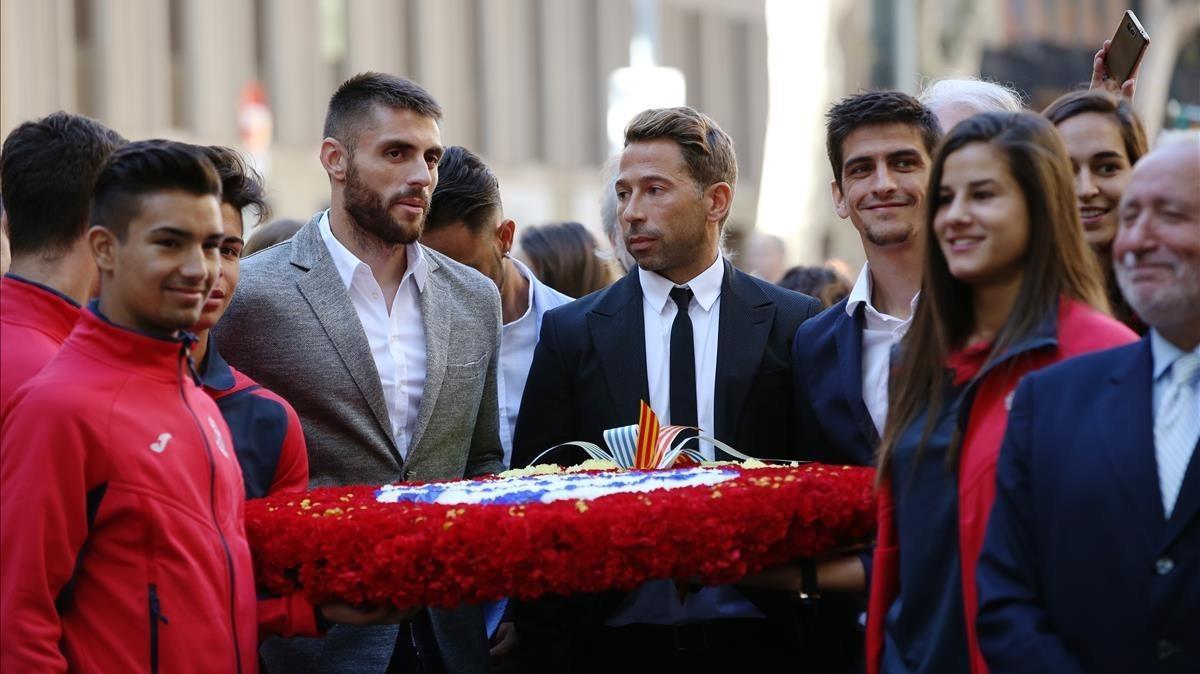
[[370, 214], [892, 234]]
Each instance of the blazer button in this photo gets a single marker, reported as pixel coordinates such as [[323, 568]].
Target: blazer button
[[1164, 566], [1166, 649]]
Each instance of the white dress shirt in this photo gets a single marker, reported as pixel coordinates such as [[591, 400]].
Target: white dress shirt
[[396, 334], [657, 602], [658, 313], [880, 333], [517, 342]]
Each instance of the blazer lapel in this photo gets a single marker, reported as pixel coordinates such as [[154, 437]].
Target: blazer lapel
[[1131, 450], [618, 331], [744, 325], [436, 316], [1187, 505], [324, 291], [849, 349]]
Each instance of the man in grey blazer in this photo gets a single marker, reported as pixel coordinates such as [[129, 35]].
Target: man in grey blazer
[[386, 349]]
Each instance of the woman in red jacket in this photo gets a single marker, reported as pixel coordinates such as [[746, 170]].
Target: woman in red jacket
[[1010, 287]]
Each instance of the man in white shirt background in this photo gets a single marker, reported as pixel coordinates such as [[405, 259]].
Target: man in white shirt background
[[466, 223]]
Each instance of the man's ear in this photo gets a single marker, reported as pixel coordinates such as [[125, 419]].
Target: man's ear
[[335, 158], [506, 232], [720, 199], [103, 244], [839, 200]]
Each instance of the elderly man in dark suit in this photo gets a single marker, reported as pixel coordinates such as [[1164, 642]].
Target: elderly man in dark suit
[[706, 346], [1093, 547], [386, 349]]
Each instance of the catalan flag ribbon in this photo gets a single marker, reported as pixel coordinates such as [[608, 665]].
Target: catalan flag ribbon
[[647, 439], [647, 446]]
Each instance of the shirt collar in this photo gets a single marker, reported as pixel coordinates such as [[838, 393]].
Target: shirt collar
[[706, 286], [1163, 353], [864, 288], [528, 274], [215, 372], [135, 350], [45, 288], [861, 292], [347, 263]]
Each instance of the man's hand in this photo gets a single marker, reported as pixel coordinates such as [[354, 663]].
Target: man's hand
[[1103, 79], [504, 641], [782, 578], [836, 574], [345, 614]]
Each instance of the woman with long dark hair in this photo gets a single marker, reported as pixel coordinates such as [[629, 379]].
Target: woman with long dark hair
[[1104, 138], [1009, 287]]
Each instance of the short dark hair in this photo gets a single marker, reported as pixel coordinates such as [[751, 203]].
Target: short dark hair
[[47, 170], [876, 108], [707, 149], [144, 167], [352, 104], [241, 186], [467, 191]]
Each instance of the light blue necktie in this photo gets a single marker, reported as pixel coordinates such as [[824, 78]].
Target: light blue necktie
[[1177, 428]]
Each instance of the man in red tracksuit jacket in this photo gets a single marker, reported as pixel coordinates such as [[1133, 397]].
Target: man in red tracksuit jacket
[[120, 495], [47, 167]]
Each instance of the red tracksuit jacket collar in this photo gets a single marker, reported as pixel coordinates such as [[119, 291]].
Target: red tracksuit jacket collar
[[143, 354], [29, 303]]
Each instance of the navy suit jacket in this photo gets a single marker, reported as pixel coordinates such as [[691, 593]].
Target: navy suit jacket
[[834, 426], [589, 374], [833, 423], [1081, 571], [589, 369]]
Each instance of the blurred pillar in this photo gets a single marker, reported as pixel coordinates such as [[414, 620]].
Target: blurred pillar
[[37, 58], [377, 30], [1169, 23], [717, 70], [444, 41], [299, 81], [565, 87], [218, 60], [508, 88], [804, 74], [132, 67]]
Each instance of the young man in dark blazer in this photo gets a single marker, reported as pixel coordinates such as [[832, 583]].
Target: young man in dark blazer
[[705, 345], [879, 145], [1093, 546]]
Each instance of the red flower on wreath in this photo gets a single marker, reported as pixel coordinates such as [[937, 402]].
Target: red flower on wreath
[[341, 544]]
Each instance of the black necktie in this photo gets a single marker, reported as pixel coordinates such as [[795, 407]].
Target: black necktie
[[683, 363]]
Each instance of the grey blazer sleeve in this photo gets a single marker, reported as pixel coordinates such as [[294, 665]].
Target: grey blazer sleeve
[[486, 454]]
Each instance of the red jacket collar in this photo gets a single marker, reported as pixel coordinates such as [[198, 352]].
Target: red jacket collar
[[164, 359], [32, 304]]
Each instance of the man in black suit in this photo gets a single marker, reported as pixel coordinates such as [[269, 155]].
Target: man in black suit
[[705, 345]]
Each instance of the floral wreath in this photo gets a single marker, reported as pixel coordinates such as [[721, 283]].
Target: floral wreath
[[344, 544]]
